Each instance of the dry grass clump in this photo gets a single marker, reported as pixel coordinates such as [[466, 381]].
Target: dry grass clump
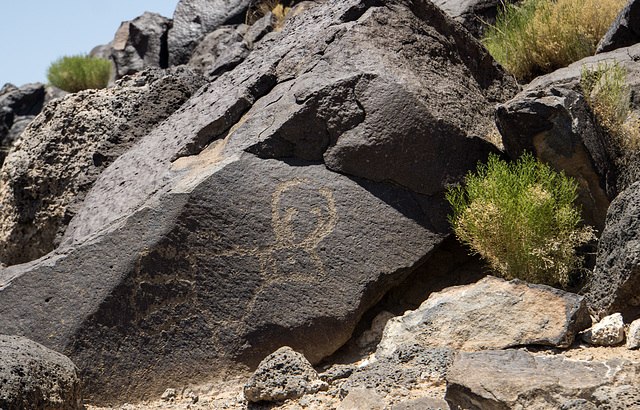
[[519, 217], [540, 36], [277, 7], [77, 73], [607, 92]]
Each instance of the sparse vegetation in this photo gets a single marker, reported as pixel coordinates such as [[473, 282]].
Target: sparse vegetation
[[605, 87], [77, 73], [264, 7], [539, 36], [519, 217]]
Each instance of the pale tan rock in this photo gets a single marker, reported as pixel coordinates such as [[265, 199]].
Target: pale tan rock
[[633, 335], [491, 313]]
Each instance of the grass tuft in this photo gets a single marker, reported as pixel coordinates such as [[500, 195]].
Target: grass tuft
[[279, 9], [77, 73], [607, 92], [519, 217], [539, 36]]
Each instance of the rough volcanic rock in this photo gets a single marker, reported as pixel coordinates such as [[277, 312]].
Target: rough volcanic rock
[[141, 43], [284, 374], [616, 277], [193, 19], [34, 377], [607, 332], [225, 233], [517, 379], [408, 367], [220, 51], [492, 313], [625, 29], [474, 15], [64, 150]]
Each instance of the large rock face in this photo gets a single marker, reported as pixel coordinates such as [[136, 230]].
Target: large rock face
[[624, 31], [34, 377], [516, 379], [492, 313], [274, 208], [141, 43], [193, 19], [49, 172], [616, 280]]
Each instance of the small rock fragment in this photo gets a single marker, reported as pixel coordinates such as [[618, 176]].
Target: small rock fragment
[[633, 335], [608, 332], [362, 399], [284, 374], [168, 394]]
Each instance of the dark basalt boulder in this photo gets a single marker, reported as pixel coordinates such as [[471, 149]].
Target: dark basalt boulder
[[624, 31], [274, 208], [616, 280], [34, 377], [141, 43], [193, 19], [474, 15]]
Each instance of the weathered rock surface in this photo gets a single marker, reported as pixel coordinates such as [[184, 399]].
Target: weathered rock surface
[[141, 43], [407, 368], [423, 403], [633, 335], [492, 313], [220, 51], [517, 379], [624, 31], [226, 233], [34, 377], [193, 19], [361, 399], [284, 374], [60, 156], [607, 332], [474, 15], [616, 280]]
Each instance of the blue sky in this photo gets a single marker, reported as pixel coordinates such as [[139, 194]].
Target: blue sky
[[35, 33]]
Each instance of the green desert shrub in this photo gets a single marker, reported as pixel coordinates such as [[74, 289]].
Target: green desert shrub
[[520, 218], [76, 73], [607, 92], [538, 36]]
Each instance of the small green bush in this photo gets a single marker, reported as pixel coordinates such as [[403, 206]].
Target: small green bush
[[77, 73], [538, 36], [519, 217]]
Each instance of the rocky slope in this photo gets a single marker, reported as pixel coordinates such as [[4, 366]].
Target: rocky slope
[[171, 233]]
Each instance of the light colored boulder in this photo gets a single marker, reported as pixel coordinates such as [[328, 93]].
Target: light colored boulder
[[607, 332], [492, 313]]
